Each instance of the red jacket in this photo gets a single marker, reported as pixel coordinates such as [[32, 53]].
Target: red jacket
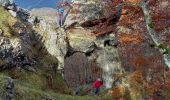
[[97, 84]]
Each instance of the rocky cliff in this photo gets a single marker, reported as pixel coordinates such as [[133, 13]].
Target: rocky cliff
[[137, 49], [124, 42]]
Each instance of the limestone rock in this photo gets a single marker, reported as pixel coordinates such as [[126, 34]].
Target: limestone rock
[[98, 15], [54, 40], [13, 13], [85, 11], [85, 46]]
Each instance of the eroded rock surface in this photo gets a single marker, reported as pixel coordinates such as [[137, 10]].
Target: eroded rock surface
[[78, 70], [122, 41], [137, 53]]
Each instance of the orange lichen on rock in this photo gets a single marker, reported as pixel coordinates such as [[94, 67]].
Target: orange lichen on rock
[[139, 60], [118, 92], [133, 1], [160, 14], [130, 15], [75, 11], [136, 76], [130, 38]]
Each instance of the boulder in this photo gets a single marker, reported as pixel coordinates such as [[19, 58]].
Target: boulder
[[85, 46]]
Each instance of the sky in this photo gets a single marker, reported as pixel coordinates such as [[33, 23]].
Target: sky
[[29, 4]]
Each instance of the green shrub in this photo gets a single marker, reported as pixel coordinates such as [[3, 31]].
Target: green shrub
[[164, 48], [151, 25]]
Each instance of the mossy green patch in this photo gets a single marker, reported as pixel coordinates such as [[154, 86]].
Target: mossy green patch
[[26, 90], [151, 25], [164, 48], [26, 93]]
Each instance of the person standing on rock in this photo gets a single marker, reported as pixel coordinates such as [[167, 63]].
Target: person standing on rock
[[60, 15], [97, 84], [64, 8]]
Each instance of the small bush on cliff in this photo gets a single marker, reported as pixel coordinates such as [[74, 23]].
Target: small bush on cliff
[[164, 48], [151, 25]]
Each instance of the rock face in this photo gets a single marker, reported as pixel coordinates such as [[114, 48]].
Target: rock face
[[98, 15], [7, 50], [108, 60], [104, 55], [82, 25], [78, 70], [137, 55], [53, 39], [20, 46], [13, 54], [161, 27], [126, 44], [142, 42], [81, 38], [14, 51]]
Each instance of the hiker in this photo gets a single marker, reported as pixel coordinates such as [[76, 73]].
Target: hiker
[[63, 11], [97, 84], [60, 16]]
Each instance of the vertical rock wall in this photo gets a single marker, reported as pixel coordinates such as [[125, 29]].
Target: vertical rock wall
[[78, 70]]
